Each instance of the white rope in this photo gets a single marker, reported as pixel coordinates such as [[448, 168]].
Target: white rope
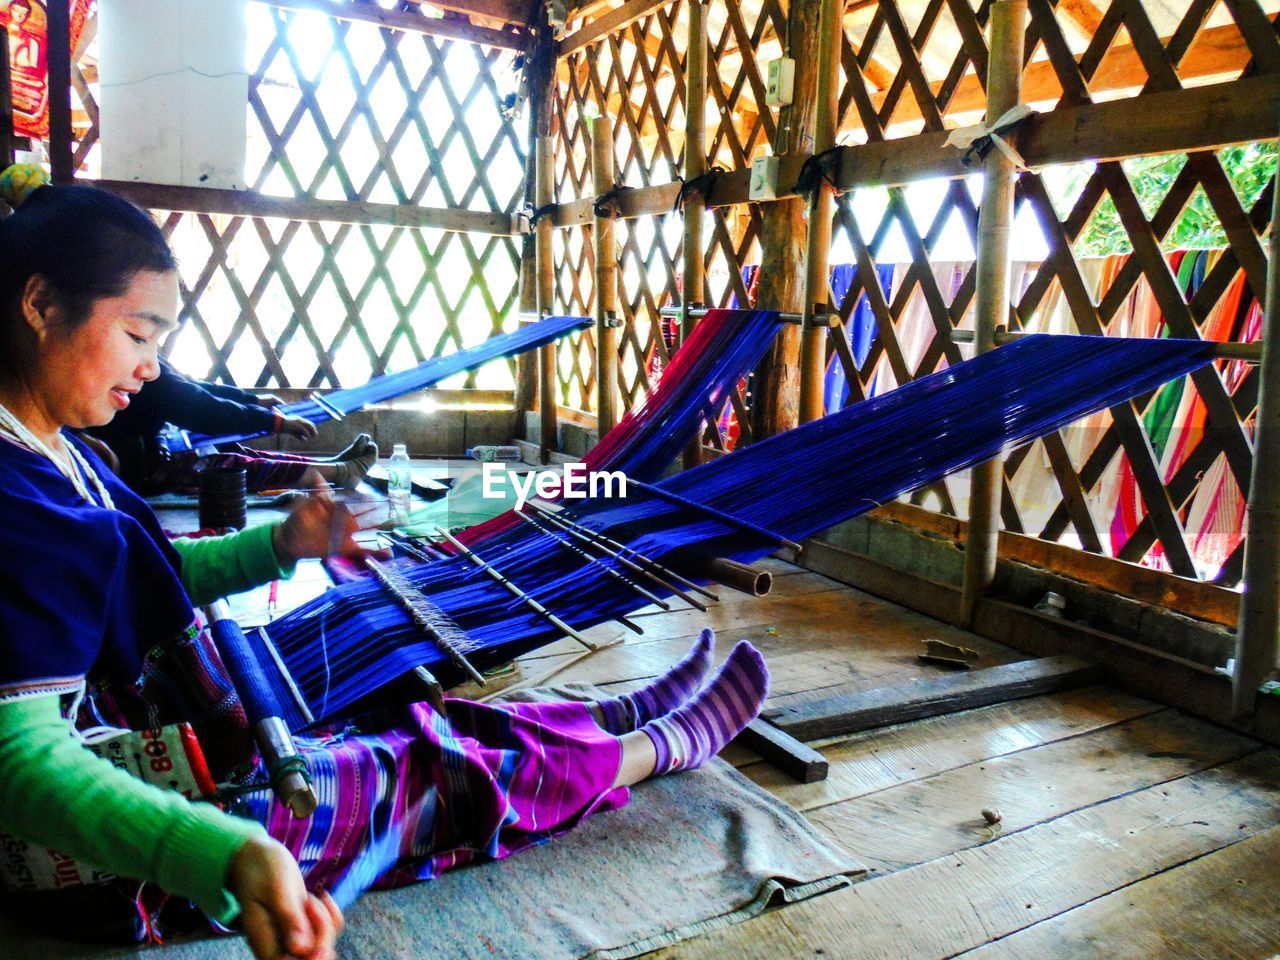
[[76, 469]]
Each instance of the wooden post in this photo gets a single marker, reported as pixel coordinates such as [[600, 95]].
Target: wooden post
[[1260, 603], [817, 285], [995, 221], [6, 109], [693, 283], [61, 161], [546, 298], [526, 393], [775, 401], [606, 281]]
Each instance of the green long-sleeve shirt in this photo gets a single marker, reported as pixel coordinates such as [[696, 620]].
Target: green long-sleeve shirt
[[56, 793]]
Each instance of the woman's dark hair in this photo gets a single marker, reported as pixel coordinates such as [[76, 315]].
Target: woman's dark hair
[[86, 242]]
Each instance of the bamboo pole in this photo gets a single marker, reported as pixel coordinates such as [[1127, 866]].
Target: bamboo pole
[[1260, 603], [606, 281], [775, 402], [693, 284], [1249, 352], [995, 221], [546, 296], [817, 286], [61, 161], [540, 75]]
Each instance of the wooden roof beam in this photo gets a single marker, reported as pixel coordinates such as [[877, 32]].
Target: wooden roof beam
[[408, 22], [508, 11], [1217, 51], [1175, 121], [611, 22]]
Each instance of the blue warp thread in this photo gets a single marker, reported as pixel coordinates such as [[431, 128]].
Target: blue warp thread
[[797, 483], [392, 385]]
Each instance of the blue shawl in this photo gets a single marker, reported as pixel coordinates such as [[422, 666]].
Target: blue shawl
[[81, 587]]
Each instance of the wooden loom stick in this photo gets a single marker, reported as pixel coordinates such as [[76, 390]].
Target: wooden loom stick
[[515, 591], [613, 549], [725, 518], [651, 597]]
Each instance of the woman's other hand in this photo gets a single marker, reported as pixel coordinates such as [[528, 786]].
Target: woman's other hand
[[281, 919], [268, 400], [292, 426], [319, 526]]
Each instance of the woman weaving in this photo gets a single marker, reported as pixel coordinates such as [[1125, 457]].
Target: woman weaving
[[97, 628]]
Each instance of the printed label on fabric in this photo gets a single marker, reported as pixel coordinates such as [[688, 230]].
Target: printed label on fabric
[[169, 758]]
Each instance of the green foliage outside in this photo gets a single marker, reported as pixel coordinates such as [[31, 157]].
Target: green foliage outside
[[1249, 167]]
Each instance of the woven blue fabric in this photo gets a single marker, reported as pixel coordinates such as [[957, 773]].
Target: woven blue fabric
[[392, 385], [353, 640]]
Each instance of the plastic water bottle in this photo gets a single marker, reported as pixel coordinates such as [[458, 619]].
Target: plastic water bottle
[[489, 453], [399, 484]]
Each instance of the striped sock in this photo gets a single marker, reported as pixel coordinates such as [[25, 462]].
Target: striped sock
[[691, 735], [633, 710]]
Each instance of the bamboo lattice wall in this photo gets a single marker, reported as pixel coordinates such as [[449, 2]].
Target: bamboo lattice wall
[[285, 300], [911, 69], [357, 118]]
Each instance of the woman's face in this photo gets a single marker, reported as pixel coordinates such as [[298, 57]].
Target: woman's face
[[89, 373]]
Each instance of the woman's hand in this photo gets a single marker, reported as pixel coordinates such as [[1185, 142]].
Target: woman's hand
[[319, 526], [292, 426], [281, 919]]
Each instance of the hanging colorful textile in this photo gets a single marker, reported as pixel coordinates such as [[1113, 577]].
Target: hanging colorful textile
[[860, 328], [353, 641], [392, 385], [1176, 422]]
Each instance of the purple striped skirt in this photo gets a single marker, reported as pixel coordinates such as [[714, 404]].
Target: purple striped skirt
[[432, 793]]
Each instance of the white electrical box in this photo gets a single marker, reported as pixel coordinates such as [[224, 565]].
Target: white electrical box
[[780, 87], [764, 178]]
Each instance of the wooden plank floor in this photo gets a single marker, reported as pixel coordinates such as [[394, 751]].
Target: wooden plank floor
[[1128, 829]]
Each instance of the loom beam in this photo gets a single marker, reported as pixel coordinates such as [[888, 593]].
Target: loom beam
[[286, 768]]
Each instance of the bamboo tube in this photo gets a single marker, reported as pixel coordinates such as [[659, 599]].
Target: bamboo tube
[[817, 286], [606, 281], [546, 298], [693, 284], [1260, 603], [740, 576], [995, 221], [61, 159]]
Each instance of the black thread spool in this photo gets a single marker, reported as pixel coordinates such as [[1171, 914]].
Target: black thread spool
[[222, 497]]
